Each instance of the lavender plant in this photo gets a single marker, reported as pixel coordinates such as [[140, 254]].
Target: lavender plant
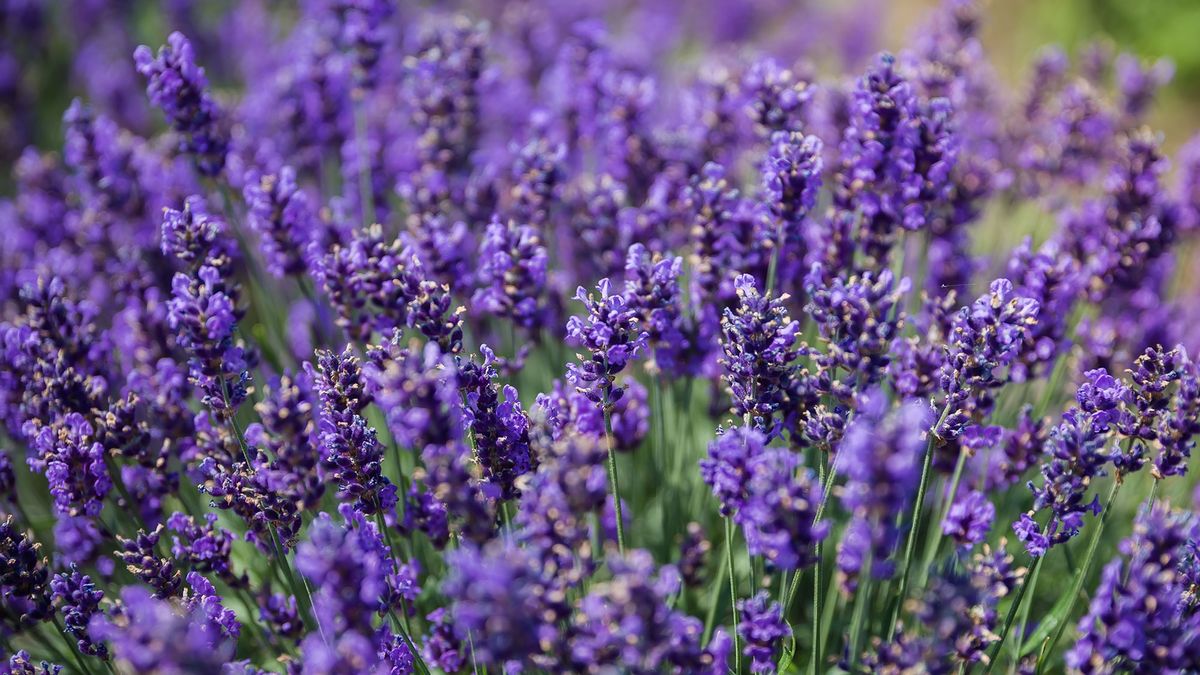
[[296, 380]]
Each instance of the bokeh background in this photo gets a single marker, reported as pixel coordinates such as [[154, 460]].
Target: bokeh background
[[53, 50]]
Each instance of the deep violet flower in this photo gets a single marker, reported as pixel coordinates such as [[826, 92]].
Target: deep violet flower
[[177, 86], [758, 338], [512, 274], [611, 335], [762, 627]]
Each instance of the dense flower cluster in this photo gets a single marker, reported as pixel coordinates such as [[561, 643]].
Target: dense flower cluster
[[374, 337]]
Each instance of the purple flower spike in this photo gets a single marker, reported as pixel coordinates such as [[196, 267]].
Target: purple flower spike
[[780, 509], [653, 290], [758, 338], [350, 447], [969, 518], [626, 621], [502, 606], [1143, 611], [897, 155], [201, 599], [727, 468], [984, 341], [512, 274], [791, 177], [279, 212], [149, 635], [177, 86], [78, 599], [762, 627], [881, 457], [75, 466], [498, 424], [611, 335], [777, 97]]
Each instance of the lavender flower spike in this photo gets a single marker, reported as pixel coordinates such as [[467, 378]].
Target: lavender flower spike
[[179, 88]]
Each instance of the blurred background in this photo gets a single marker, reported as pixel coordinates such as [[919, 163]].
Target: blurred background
[[54, 50], [1015, 30]]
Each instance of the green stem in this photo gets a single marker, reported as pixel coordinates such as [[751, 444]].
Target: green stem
[[737, 653], [831, 604], [773, 266], [935, 537], [612, 476], [1023, 622], [817, 645], [1012, 613], [861, 600], [710, 617], [1153, 493], [902, 588], [1081, 574]]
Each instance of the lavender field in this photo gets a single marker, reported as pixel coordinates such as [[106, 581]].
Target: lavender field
[[359, 336]]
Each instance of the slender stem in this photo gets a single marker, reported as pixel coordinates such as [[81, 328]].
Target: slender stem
[[918, 503], [737, 654], [935, 537], [1081, 574], [1023, 622], [1012, 613], [817, 645], [861, 600], [1153, 493], [773, 266], [831, 605], [710, 617], [612, 476]]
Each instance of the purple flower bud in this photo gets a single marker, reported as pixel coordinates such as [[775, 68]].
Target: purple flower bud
[[652, 289], [75, 466], [1141, 610], [418, 393], [498, 425], [985, 338], [201, 599], [206, 548], [626, 621], [503, 607], [140, 555], [776, 97], [881, 458]]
